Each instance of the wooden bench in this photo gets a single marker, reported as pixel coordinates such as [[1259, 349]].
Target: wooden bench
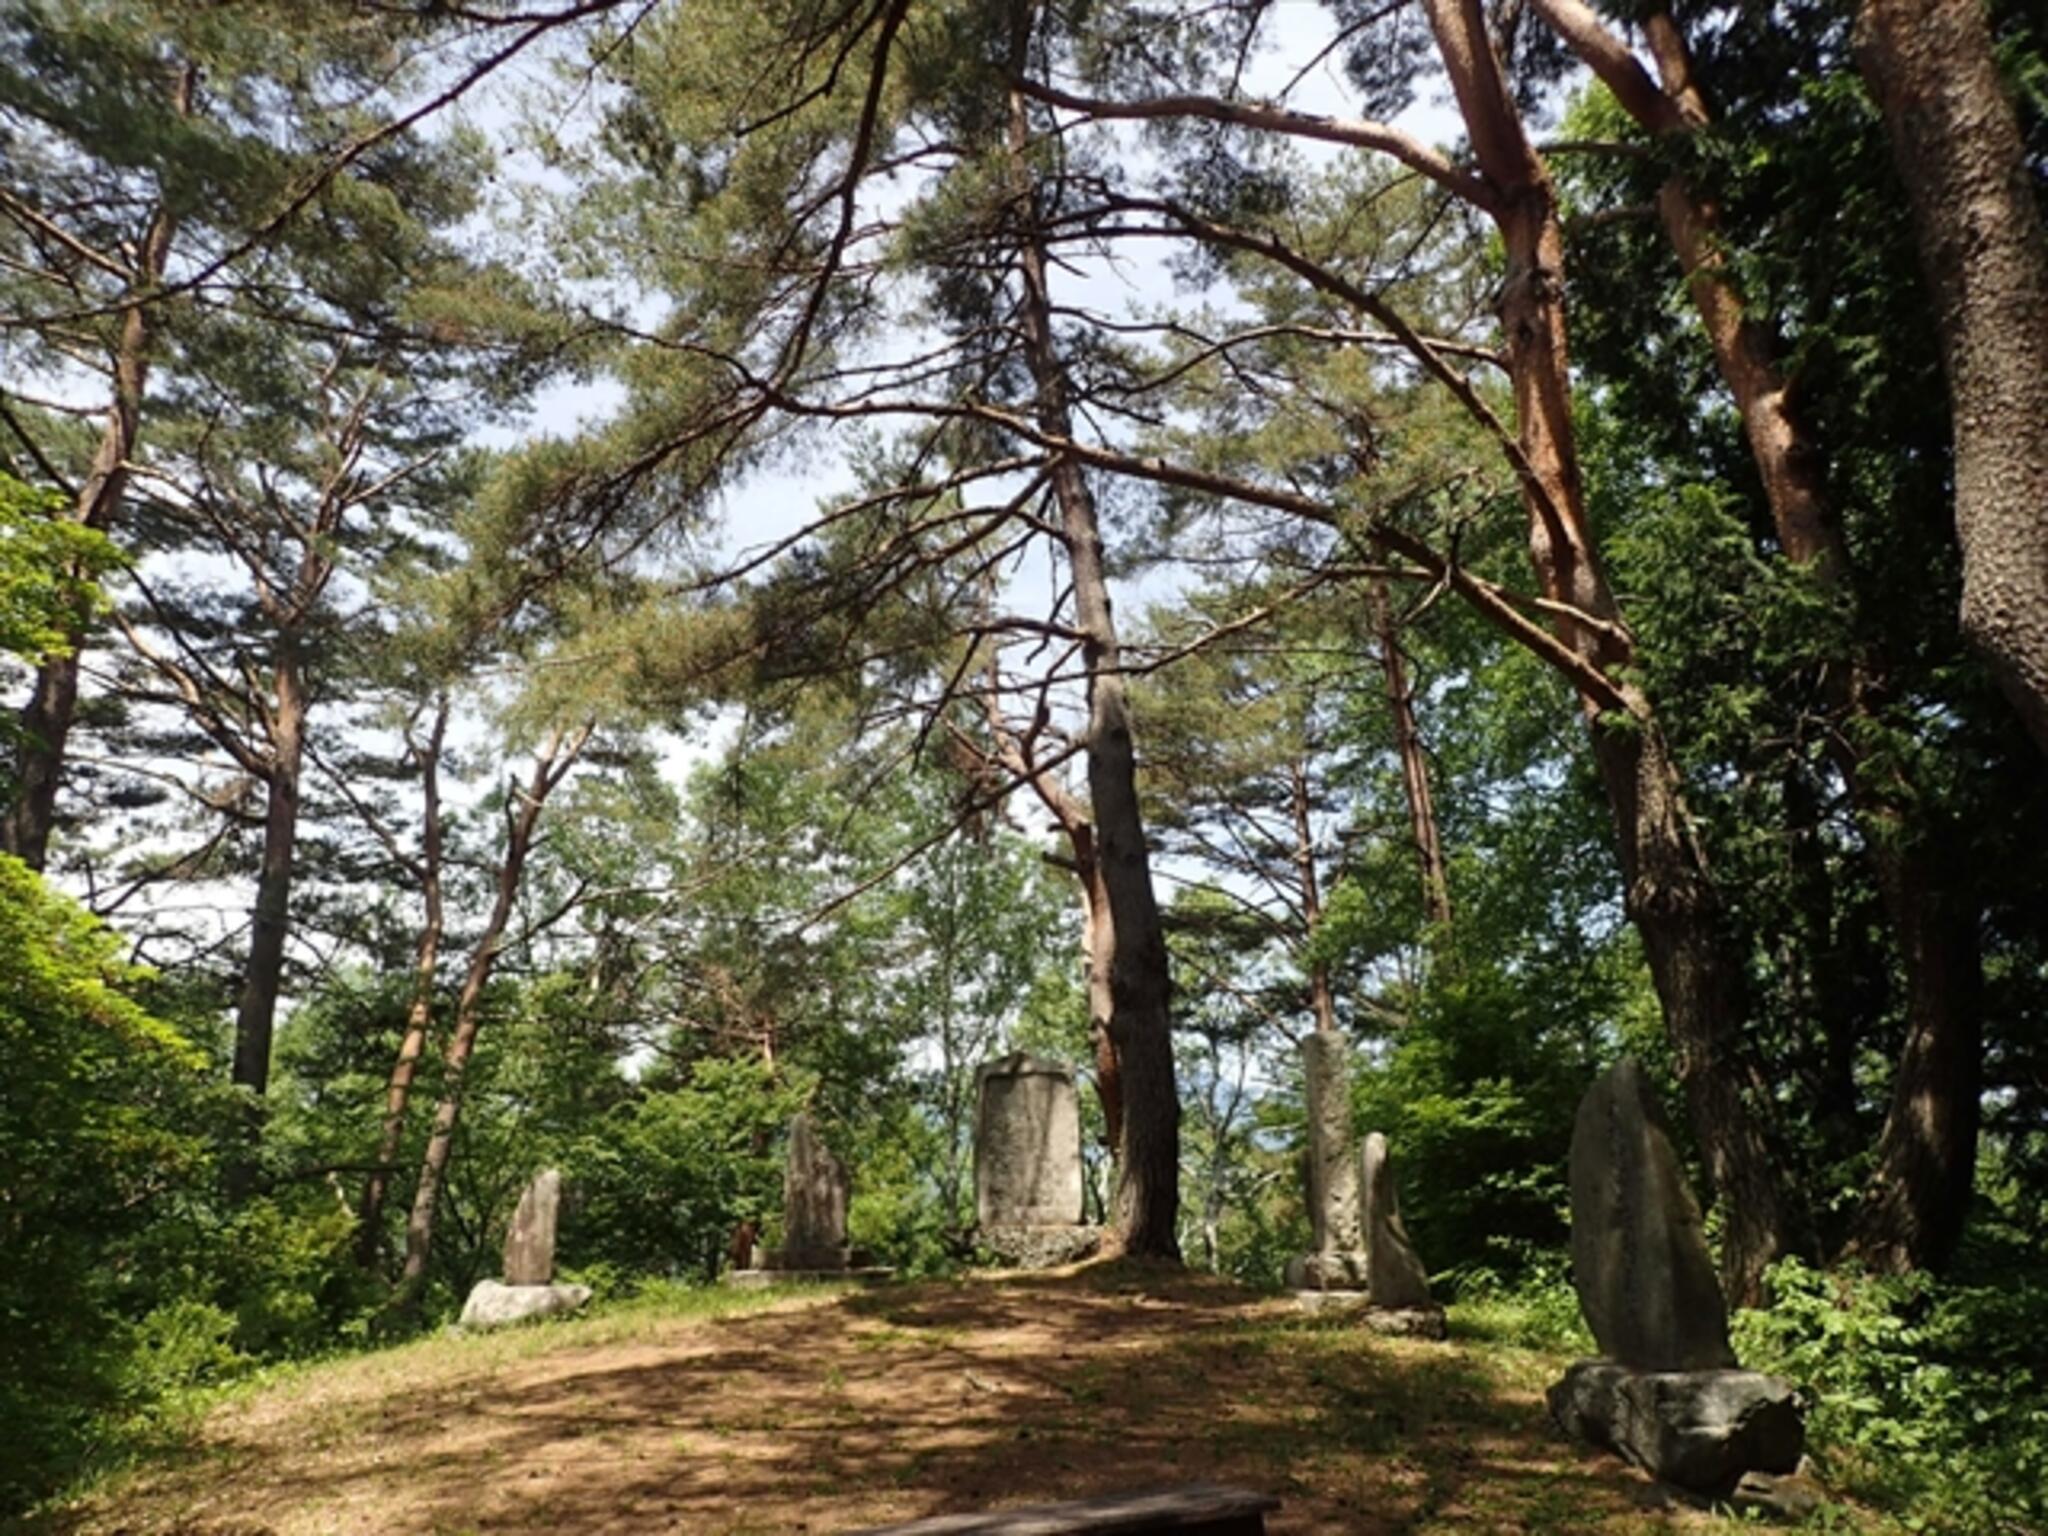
[[1191, 1509]]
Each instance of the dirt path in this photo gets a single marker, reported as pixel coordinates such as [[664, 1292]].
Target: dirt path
[[828, 1414]]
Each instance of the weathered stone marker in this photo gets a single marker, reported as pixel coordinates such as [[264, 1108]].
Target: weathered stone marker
[[1668, 1395], [1397, 1283], [815, 1193], [1027, 1162], [530, 1240], [528, 1289], [1337, 1261], [1639, 1250]]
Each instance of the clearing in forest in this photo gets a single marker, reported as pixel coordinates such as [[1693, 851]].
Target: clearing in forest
[[828, 1411]]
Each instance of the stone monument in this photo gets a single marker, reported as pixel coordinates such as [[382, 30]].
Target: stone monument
[[1337, 1263], [1027, 1163], [1397, 1285], [815, 1190], [1667, 1392], [528, 1289], [530, 1240]]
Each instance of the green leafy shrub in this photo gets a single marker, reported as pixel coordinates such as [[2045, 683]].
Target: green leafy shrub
[[1532, 1306], [180, 1348], [98, 1100], [661, 1182], [1930, 1399]]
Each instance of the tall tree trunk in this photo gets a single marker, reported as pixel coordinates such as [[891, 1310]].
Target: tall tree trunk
[[1836, 982], [1937, 948], [1097, 962], [1912, 1214], [1422, 824], [263, 975], [522, 819], [1956, 140], [45, 721], [1146, 1210], [419, 1013], [1322, 1001], [1669, 893]]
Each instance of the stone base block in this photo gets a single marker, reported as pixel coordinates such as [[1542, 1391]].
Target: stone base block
[[1406, 1322], [1023, 1247], [1700, 1430], [808, 1260], [1333, 1271], [760, 1279], [1332, 1301], [494, 1304]]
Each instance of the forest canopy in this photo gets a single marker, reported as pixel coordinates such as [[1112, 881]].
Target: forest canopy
[[579, 578]]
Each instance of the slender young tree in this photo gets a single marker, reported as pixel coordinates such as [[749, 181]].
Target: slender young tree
[[424, 867], [524, 804]]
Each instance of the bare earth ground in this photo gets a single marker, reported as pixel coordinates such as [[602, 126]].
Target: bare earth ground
[[829, 1412]]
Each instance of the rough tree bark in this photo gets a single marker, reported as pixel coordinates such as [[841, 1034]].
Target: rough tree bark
[[419, 1012], [45, 720], [263, 972], [522, 819], [1322, 1000], [1956, 141], [1669, 892], [1912, 1215], [1145, 1214]]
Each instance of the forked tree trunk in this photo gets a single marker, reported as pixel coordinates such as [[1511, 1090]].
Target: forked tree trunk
[[522, 820], [1145, 1214], [419, 1012], [1014, 754], [1669, 894], [1956, 141]]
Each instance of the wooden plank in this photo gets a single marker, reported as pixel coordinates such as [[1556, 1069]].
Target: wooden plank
[[1190, 1509]]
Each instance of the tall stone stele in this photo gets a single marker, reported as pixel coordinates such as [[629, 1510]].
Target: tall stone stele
[[528, 1289], [1028, 1195], [814, 1195], [1336, 1261], [530, 1240], [1667, 1392]]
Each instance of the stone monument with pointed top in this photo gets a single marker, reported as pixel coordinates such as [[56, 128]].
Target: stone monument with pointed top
[[815, 1193], [1667, 1392], [1397, 1285], [528, 1289]]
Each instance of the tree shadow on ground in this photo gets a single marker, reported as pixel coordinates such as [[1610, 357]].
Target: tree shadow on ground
[[902, 1402]]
